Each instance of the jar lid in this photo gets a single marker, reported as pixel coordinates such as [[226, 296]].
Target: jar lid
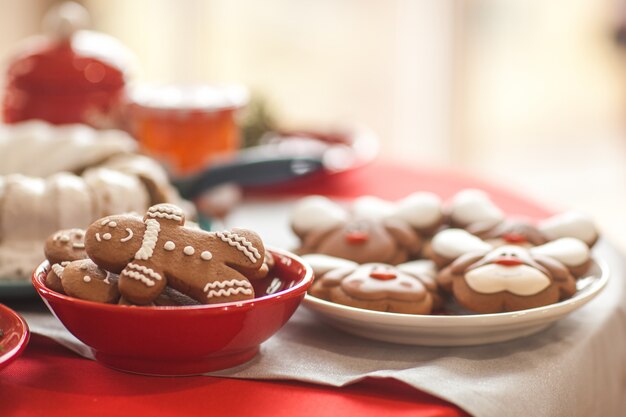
[[69, 59], [190, 97]]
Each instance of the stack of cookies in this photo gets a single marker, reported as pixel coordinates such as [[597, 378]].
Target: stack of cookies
[[155, 260], [413, 255]]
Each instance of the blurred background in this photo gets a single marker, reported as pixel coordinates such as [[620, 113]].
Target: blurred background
[[527, 93]]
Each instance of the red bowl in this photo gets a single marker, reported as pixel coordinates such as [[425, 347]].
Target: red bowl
[[15, 335], [184, 340]]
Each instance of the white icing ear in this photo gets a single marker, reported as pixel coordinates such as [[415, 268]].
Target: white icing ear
[[369, 207], [570, 224], [452, 243], [568, 250], [315, 212], [420, 210], [420, 267], [321, 264], [470, 206]]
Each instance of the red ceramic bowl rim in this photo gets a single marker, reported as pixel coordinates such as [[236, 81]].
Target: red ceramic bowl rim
[[295, 291], [7, 357]]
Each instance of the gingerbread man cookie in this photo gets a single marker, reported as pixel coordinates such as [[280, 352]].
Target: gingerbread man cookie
[[158, 250], [60, 249], [408, 288], [83, 279], [510, 277]]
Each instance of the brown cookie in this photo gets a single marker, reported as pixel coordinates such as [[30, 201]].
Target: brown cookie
[[149, 254], [65, 245], [379, 287], [53, 277], [171, 297], [511, 278], [364, 241], [374, 231], [508, 232], [83, 279]]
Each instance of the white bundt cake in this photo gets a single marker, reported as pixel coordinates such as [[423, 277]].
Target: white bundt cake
[[59, 177]]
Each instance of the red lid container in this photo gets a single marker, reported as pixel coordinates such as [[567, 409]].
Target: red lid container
[[68, 75]]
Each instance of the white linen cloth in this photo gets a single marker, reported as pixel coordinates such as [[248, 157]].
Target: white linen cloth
[[575, 368]]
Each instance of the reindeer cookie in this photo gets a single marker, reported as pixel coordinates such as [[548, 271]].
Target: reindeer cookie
[[408, 288], [375, 234], [158, 250], [509, 277], [61, 248], [474, 211]]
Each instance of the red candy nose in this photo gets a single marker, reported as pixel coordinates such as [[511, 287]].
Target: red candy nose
[[382, 275], [356, 238], [514, 238], [508, 261]]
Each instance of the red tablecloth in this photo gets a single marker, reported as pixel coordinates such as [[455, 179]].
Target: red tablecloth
[[50, 381]]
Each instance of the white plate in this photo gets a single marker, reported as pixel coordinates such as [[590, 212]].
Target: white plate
[[461, 330]]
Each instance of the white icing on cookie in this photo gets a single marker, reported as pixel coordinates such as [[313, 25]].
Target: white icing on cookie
[[64, 238], [87, 278], [169, 246], [419, 267], [189, 250], [128, 237], [316, 212], [321, 264], [206, 255], [149, 241], [105, 222], [452, 243], [165, 216], [570, 224], [420, 210], [112, 224], [98, 238], [568, 250], [139, 277], [165, 212], [470, 206], [228, 288], [65, 263], [78, 245], [58, 270], [360, 282], [107, 236], [521, 280], [241, 243], [370, 207], [145, 270]]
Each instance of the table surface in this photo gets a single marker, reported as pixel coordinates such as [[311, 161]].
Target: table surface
[[50, 380]]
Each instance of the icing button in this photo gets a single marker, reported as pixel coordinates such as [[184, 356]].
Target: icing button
[[206, 255], [169, 245], [189, 250], [106, 236], [87, 278]]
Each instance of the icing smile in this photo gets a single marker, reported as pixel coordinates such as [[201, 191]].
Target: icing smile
[[128, 237]]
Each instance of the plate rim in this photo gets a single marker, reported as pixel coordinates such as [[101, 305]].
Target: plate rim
[[543, 313]]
